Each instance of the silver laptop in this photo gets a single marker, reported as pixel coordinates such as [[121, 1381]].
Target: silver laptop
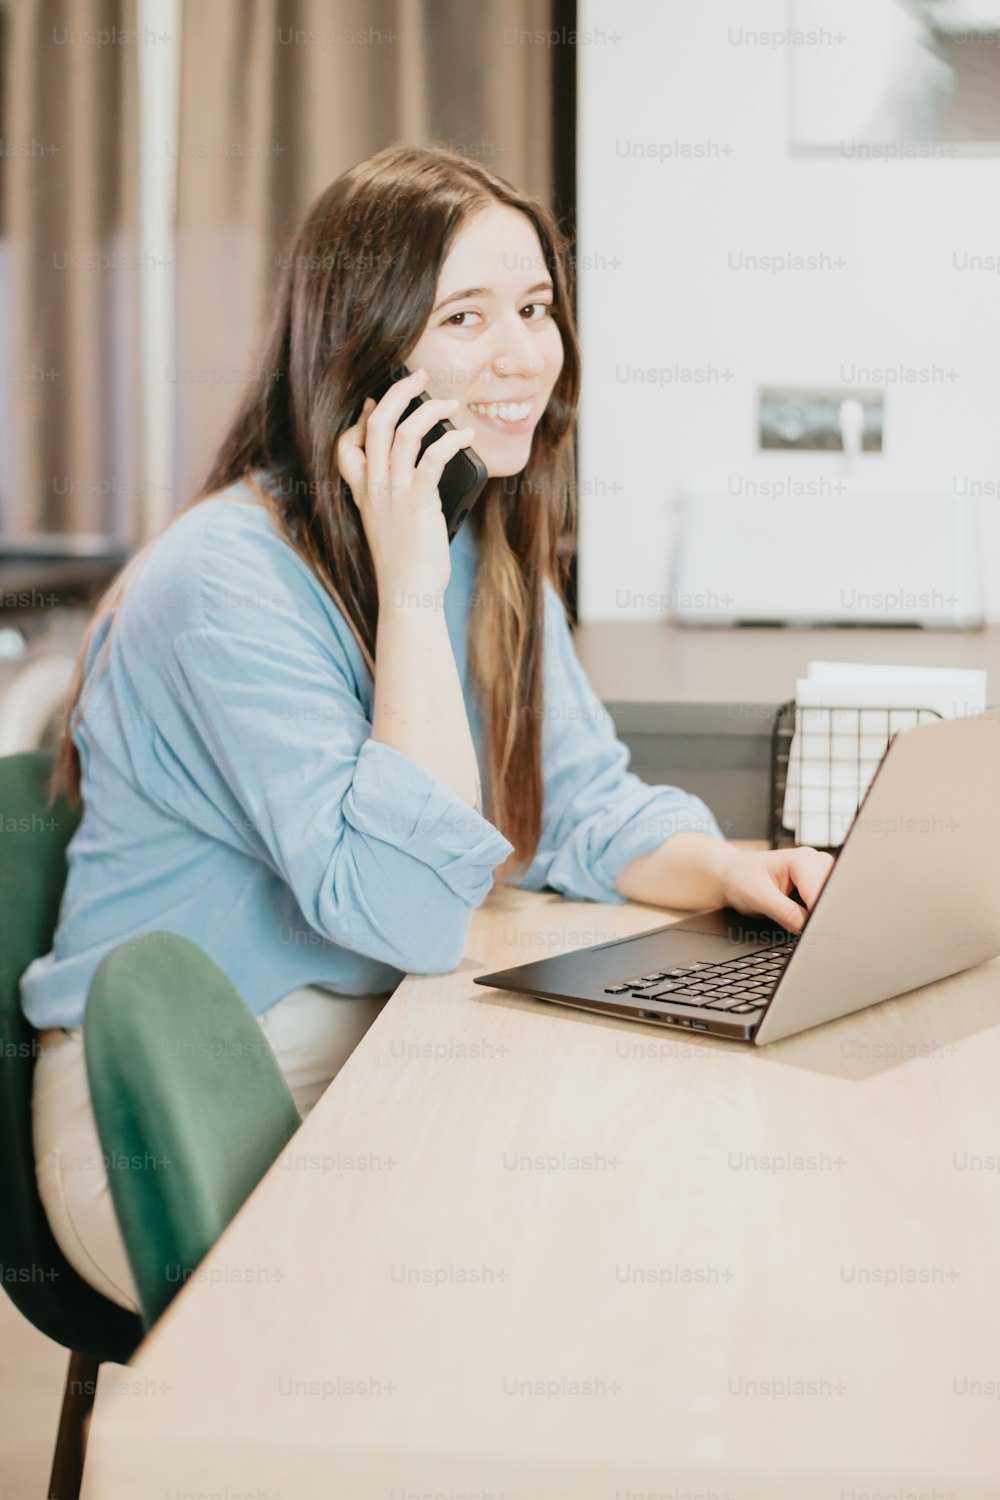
[[914, 895]]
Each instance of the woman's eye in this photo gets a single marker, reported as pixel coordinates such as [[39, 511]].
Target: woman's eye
[[536, 312]]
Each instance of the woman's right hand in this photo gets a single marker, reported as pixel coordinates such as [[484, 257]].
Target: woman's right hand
[[397, 498]]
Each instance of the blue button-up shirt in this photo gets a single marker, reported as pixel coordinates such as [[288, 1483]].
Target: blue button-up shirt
[[233, 793]]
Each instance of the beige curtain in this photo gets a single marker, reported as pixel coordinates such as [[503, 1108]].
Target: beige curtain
[[277, 98], [69, 417]]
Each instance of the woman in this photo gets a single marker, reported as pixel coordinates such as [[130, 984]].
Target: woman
[[249, 778]]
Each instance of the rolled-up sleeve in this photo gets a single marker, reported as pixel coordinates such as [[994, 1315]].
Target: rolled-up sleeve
[[598, 816], [268, 746], [397, 802]]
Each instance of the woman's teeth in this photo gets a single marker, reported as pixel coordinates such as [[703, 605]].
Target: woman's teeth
[[503, 411]]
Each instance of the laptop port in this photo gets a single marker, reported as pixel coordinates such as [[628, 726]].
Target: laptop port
[[700, 1025]]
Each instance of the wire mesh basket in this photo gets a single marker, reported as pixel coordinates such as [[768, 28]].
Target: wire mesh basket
[[822, 763]]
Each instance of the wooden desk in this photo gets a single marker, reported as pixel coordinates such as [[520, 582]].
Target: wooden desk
[[652, 661], [528, 1252]]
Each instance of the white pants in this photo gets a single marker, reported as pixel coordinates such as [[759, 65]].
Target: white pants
[[311, 1032]]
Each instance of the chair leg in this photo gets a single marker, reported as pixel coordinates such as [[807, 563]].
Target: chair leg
[[78, 1398]]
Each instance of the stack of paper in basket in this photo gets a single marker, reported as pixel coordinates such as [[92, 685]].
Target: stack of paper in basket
[[845, 716]]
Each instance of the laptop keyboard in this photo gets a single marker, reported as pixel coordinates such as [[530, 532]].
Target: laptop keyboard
[[738, 985]]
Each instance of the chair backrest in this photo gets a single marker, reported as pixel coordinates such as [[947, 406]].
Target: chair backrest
[[190, 1102], [33, 1271]]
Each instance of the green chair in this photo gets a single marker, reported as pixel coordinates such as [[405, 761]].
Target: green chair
[[190, 1102], [183, 1083], [36, 1275]]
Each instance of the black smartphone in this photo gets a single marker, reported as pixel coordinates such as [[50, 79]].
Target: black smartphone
[[464, 476]]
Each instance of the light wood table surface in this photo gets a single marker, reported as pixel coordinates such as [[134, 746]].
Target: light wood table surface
[[654, 661], [520, 1251]]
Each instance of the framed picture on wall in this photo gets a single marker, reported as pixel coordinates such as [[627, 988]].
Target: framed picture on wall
[[906, 78]]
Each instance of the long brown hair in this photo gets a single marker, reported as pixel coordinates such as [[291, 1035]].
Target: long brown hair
[[356, 289]]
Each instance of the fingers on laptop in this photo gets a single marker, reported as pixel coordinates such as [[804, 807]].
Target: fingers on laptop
[[809, 869]]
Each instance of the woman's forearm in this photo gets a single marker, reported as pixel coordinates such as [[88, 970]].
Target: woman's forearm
[[419, 709], [686, 872]]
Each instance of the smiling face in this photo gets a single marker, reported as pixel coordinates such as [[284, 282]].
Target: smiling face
[[491, 342]]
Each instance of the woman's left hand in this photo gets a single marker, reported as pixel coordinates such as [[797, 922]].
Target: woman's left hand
[[760, 881]]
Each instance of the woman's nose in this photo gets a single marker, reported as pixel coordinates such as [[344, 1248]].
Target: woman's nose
[[518, 355]]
